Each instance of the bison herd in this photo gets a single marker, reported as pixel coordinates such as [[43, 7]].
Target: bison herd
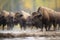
[[42, 18]]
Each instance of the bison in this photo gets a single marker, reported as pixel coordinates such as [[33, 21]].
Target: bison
[[7, 19], [2, 18], [48, 17], [36, 21], [57, 19], [2, 21], [19, 19], [10, 22]]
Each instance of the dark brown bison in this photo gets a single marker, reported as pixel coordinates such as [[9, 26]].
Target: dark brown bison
[[2, 21], [36, 21], [23, 19], [27, 18], [10, 22], [48, 17], [7, 19], [30, 22], [2, 18], [57, 19], [19, 19]]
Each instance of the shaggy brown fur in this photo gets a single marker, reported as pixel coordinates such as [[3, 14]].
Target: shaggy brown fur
[[48, 17]]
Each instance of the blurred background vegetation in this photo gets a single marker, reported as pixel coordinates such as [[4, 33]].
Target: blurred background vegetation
[[28, 5]]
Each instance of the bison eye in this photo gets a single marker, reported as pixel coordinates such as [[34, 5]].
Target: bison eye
[[39, 16], [21, 15]]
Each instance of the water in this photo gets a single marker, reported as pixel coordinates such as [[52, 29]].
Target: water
[[32, 38]]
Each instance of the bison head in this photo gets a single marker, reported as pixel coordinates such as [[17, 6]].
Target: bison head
[[37, 15], [37, 19]]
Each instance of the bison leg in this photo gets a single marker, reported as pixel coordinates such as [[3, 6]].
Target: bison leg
[[8, 27], [11, 26], [42, 28], [24, 26], [55, 25], [46, 27], [37, 26], [59, 27], [49, 27], [3, 26], [21, 27]]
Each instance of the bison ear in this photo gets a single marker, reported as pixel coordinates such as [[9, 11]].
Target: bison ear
[[40, 14], [38, 9]]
